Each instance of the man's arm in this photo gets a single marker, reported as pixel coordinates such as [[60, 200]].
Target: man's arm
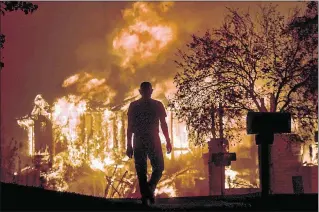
[[164, 128], [164, 123], [129, 135]]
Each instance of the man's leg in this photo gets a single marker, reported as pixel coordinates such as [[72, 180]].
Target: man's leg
[[157, 161], [140, 157]]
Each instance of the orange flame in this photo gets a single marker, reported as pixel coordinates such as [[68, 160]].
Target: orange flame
[[145, 36]]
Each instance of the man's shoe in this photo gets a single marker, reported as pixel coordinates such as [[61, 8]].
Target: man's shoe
[[146, 202], [152, 200], [152, 195]]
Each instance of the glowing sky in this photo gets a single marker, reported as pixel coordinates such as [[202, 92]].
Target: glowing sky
[[64, 38]]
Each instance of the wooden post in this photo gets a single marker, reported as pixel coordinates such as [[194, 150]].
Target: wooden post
[[264, 161], [221, 135], [210, 151]]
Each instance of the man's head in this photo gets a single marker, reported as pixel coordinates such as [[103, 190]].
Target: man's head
[[146, 89]]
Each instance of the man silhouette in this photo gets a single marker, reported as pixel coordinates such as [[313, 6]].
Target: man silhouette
[[144, 116]]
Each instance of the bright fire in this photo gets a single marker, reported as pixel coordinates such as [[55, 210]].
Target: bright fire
[[170, 190], [230, 177], [145, 36], [89, 137], [95, 136]]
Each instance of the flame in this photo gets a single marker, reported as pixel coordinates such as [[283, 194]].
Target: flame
[[72, 119], [169, 190], [97, 164], [57, 173], [108, 161], [71, 80], [146, 35], [77, 126], [93, 83], [90, 87], [230, 176], [310, 154], [45, 152], [28, 124], [66, 115]]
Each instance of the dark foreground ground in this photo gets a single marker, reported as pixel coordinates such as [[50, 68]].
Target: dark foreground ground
[[21, 198]]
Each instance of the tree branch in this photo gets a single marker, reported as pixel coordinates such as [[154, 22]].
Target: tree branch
[[294, 89]]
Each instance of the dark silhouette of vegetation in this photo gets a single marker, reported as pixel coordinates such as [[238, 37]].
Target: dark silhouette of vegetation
[[10, 6], [306, 31], [10, 159], [248, 64]]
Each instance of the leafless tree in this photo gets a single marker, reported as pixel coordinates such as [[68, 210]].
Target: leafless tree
[[248, 64]]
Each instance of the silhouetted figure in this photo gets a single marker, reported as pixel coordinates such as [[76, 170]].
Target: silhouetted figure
[[144, 116]]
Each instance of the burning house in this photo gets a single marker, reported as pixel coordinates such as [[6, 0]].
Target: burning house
[[73, 133], [72, 143], [78, 142]]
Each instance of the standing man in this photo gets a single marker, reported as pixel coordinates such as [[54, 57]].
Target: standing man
[[144, 116]]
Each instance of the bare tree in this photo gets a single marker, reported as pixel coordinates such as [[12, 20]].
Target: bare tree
[[305, 30], [248, 64]]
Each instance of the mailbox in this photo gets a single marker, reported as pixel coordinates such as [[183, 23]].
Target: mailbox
[[266, 122], [264, 126], [223, 159]]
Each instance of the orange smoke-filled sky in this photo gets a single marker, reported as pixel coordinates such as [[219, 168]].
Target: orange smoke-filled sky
[[64, 38]]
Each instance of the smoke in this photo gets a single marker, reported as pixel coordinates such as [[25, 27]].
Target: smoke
[[136, 50], [142, 45], [145, 35]]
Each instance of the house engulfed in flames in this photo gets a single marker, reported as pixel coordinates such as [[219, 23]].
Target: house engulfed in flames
[[73, 138], [78, 148], [72, 135]]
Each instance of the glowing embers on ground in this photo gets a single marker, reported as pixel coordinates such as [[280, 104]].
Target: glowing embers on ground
[[145, 35]]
